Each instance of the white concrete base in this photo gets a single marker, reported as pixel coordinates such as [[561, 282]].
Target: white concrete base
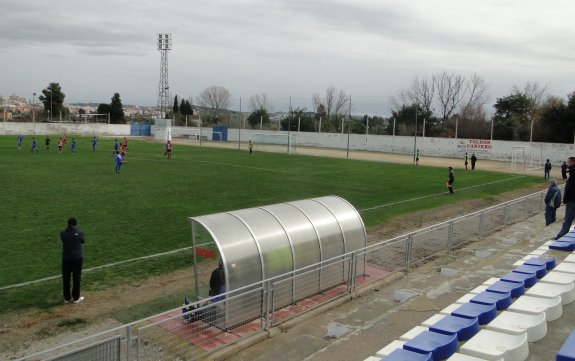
[[412, 333], [552, 307], [570, 258], [490, 345], [479, 289], [517, 323], [389, 349], [449, 309], [466, 298], [433, 320]]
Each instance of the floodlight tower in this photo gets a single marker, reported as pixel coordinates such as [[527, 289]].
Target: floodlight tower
[[164, 45]]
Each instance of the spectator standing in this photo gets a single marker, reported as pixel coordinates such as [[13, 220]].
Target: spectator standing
[[450, 181], [251, 146], [547, 169], [473, 160], [564, 170], [568, 199], [552, 202], [417, 157], [466, 160], [72, 259]]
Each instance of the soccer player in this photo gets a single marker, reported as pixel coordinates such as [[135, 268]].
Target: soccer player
[[20, 138], [251, 146], [74, 145], [466, 160], [123, 148], [47, 141], [169, 149], [118, 160], [94, 142], [60, 145], [34, 146], [417, 158], [115, 145]]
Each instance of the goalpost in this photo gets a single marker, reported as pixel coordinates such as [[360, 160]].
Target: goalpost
[[275, 142], [528, 158]]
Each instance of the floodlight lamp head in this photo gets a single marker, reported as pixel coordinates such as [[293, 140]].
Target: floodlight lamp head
[[164, 41]]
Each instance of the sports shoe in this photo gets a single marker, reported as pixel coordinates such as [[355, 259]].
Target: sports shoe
[[79, 300], [66, 301]]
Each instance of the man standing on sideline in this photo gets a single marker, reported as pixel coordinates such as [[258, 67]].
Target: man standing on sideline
[[552, 202], [568, 199], [251, 146], [417, 158], [466, 160], [473, 160], [450, 180], [564, 170], [72, 258], [547, 169]]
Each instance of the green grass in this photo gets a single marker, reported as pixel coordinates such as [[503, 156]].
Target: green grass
[[144, 209]]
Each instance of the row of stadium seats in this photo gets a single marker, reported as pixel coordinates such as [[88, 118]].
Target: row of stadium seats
[[498, 319]]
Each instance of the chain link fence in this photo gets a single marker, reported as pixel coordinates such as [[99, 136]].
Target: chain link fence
[[203, 327]]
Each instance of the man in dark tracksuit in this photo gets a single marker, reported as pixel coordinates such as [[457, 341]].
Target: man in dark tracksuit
[[72, 258], [450, 180], [568, 199]]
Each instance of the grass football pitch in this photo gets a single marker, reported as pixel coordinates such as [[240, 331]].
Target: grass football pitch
[[144, 209]]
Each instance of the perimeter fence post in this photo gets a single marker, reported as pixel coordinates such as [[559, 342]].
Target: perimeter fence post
[[481, 223], [352, 271], [138, 344], [449, 236], [129, 342], [408, 245]]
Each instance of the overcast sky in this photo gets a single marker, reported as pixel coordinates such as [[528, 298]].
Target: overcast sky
[[370, 49]]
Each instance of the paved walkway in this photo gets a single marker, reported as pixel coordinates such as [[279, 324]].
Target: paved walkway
[[370, 322]]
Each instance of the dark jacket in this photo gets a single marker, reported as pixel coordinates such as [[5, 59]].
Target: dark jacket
[[569, 194], [451, 178], [553, 197], [547, 167], [72, 240]]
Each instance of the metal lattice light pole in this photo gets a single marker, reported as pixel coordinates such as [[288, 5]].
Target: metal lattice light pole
[[164, 45]]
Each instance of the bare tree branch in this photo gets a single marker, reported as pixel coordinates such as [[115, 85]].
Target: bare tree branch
[[450, 90], [261, 101], [214, 99]]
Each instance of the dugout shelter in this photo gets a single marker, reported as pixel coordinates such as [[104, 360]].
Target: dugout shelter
[[299, 245]]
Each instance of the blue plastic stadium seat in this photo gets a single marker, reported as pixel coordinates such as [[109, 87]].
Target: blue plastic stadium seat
[[464, 328], [516, 289], [500, 300], [439, 345], [549, 263], [528, 279], [484, 313], [563, 246], [405, 355], [540, 271], [567, 351]]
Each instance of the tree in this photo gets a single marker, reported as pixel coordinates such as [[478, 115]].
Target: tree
[[512, 117], [261, 101], [301, 116], [334, 102], [103, 108], [258, 116], [175, 108], [214, 99], [405, 120], [116, 110], [450, 92], [53, 100]]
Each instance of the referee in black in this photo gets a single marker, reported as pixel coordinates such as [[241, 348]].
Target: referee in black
[[72, 257]]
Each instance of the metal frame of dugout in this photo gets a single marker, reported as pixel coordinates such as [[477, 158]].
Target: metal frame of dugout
[[279, 242]]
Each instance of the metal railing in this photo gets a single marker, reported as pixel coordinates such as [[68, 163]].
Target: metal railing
[[210, 325]]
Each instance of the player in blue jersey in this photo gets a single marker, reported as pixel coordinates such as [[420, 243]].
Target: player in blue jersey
[[118, 159], [74, 145], [35, 146], [20, 138], [94, 142]]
